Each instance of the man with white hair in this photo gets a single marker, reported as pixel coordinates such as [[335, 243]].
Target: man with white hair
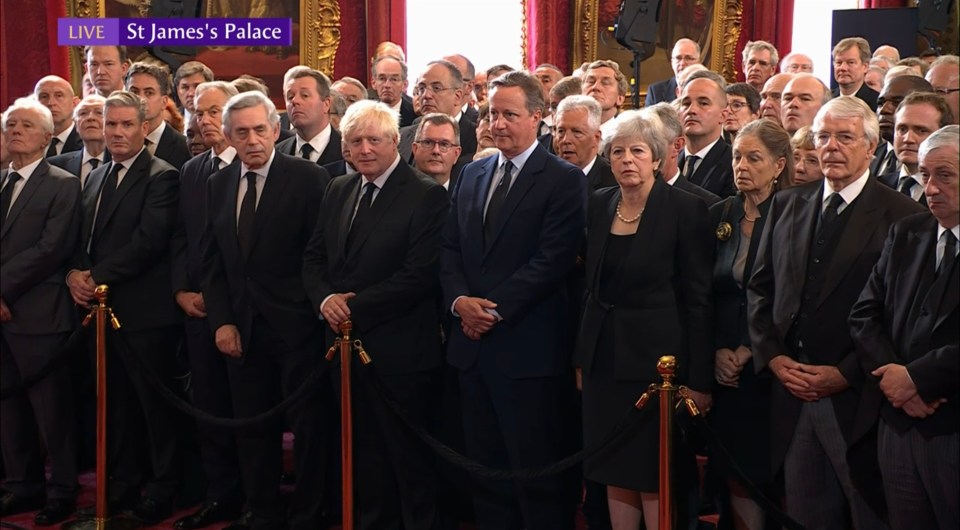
[[39, 226], [944, 75], [88, 117], [577, 139], [905, 329], [56, 93], [817, 250], [685, 52], [797, 63]]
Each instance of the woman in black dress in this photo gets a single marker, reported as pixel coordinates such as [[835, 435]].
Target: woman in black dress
[[648, 259], [762, 164]]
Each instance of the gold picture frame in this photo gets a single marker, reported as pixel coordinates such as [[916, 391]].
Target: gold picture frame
[[316, 47], [593, 39]]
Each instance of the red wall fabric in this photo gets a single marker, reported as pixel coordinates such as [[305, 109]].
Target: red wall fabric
[[548, 26], [873, 4], [352, 55], [28, 46]]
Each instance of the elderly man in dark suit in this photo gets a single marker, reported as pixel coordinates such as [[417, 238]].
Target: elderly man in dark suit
[[905, 328], [39, 209], [307, 95], [817, 249], [440, 89], [129, 215], [374, 259], [706, 159], [510, 241], [152, 85], [851, 59], [577, 139], [88, 117], [56, 93], [685, 52], [211, 390], [666, 116], [261, 213], [389, 80]]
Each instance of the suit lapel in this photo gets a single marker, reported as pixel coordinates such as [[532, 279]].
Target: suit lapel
[[521, 185], [708, 165], [951, 297], [91, 192], [381, 205], [597, 243], [75, 165], [34, 182], [333, 151], [133, 176], [858, 232], [481, 186], [807, 210]]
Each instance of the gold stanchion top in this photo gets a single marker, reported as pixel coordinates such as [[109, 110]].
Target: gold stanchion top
[[667, 367], [101, 292], [345, 328]]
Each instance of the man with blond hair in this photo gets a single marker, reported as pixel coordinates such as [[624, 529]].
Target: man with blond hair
[[851, 59]]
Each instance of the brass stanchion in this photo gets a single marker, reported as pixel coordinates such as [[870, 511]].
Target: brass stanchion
[[346, 425], [101, 519], [667, 368]]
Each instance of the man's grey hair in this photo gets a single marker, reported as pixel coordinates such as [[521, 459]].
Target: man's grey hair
[[29, 103], [92, 98], [226, 88], [948, 136], [847, 108], [246, 100], [585, 103], [666, 116], [382, 58], [438, 119], [758, 45], [123, 99], [945, 59]]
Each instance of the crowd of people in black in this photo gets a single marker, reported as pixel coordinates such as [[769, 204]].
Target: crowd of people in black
[[515, 251]]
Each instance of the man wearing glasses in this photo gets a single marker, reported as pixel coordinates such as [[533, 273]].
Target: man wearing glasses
[[389, 75], [685, 52], [817, 250], [437, 148], [944, 75], [440, 89]]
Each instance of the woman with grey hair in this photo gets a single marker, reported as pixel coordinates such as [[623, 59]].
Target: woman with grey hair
[[648, 262]]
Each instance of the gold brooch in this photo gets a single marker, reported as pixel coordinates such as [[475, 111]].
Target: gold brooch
[[724, 231]]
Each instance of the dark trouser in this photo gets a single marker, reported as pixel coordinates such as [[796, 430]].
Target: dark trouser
[[210, 390], [516, 423], [135, 407], [47, 409], [269, 371], [920, 478]]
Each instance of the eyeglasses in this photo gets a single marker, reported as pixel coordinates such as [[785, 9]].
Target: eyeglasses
[[442, 144], [393, 79], [945, 91], [736, 106], [434, 88], [821, 139]]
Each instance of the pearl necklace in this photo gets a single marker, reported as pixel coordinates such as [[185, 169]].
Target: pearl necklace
[[624, 219]]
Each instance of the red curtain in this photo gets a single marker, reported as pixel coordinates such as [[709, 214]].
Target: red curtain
[[548, 33], [28, 46], [363, 25], [769, 20], [873, 4]]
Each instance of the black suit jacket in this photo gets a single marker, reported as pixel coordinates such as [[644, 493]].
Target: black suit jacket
[[892, 179], [709, 198], [393, 265], [546, 140], [338, 168], [38, 239], [172, 148], [867, 94], [665, 287], [269, 281], [775, 289], [881, 326], [878, 156], [600, 175], [332, 153], [407, 114], [72, 161], [468, 141], [73, 143], [665, 90], [715, 172], [131, 253]]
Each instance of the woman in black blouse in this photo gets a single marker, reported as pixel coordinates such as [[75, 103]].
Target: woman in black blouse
[[762, 164], [648, 260]]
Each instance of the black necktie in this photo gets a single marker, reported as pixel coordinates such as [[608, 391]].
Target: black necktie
[[906, 185], [94, 163], [306, 151], [889, 162], [949, 253], [6, 196], [363, 212], [497, 201], [52, 150], [247, 210], [214, 165], [106, 197], [831, 212], [689, 166]]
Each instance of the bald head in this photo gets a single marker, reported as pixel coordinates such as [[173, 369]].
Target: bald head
[[796, 63], [56, 94], [770, 97], [685, 52]]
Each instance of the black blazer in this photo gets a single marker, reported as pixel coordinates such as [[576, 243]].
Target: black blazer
[[172, 148], [72, 161], [880, 326], [132, 251], [546, 140], [407, 114], [683, 184], [867, 94], [331, 154], [775, 289], [393, 266], [269, 281], [665, 90], [715, 172], [666, 302], [38, 239], [73, 143], [878, 155], [600, 175], [338, 168]]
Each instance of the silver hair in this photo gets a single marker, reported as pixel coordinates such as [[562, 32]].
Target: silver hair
[[92, 98], [761, 45], [123, 99], [586, 103], [666, 116], [850, 107], [226, 88], [246, 100], [948, 136], [632, 126], [29, 103]]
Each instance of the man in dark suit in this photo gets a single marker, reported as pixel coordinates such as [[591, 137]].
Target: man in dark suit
[[817, 249], [851, 59], [918, 116], [439, 89], [666, 115], [884, 158], [56, 93], [374, 259], [510, 242], [685, 52], [389, 81], [577, 140], [436, 149], [208, 371], [307, 95], [152, 85], [129, 215], [469, 73], [261, 213], [89, 123], [706, 159], [39, 209], [905, 328]]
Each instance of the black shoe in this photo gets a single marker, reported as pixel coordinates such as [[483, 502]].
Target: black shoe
[[209, 513], [151, 511], [56, 510], [243, 523], [11, 504]]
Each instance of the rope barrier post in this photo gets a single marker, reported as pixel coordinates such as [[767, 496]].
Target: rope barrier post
[[667, 368], [101, 520], [346, 425]]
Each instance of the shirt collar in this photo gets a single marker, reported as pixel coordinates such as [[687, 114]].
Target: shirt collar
[[318, 142], [941, 229], [155, 134], [263, 171], [519, 160], [589, 166], [674, 179], [703, 152], [65, 134], [382, 179], [86, 157], [850, 192], [26, 170], [226, 156]]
